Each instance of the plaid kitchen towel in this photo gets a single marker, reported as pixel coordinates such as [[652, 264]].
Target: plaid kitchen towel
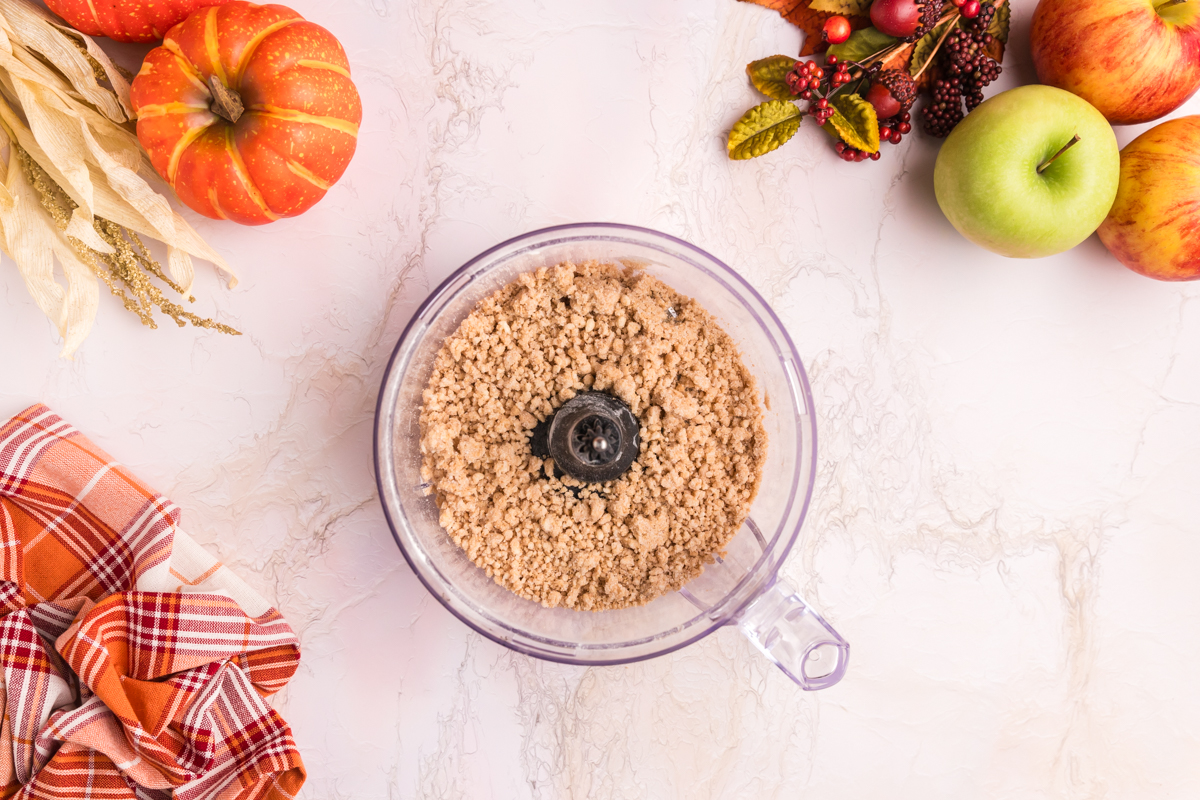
[[134, 664]]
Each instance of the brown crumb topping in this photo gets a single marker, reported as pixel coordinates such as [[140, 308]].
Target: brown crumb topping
[[529, 348]]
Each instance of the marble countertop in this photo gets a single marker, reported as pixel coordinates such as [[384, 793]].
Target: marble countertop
[[1006, 524]]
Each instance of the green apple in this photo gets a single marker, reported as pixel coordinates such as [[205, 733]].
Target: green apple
[[1029, 173]]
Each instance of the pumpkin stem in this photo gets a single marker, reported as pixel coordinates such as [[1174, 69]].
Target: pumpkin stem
[[226, 103]]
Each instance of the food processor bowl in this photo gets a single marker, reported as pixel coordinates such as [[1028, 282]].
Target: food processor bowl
[[740, 588]]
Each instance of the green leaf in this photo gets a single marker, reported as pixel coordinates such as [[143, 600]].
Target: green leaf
[[926, 48], [846, 7], [768, 76], [764, 128], [999, 27], [855, 121], [862, 44]]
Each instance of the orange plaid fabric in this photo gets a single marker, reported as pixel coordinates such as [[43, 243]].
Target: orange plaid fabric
[[135, 666]]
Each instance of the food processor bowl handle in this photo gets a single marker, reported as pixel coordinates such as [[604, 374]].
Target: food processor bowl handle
[[790, 633]]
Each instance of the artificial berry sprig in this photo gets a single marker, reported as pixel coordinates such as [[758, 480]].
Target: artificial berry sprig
[[945, 109], [808, 79], [967, 68], [890, 93], [863, 91]]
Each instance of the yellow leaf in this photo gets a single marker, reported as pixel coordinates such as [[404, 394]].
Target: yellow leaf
[[769, 76], [763, 128], [855, 121]]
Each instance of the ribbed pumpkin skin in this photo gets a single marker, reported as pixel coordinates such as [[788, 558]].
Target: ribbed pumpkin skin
[[299, 129], [127, 20]]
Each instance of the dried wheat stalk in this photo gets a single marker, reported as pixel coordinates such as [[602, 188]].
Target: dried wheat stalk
[[77, 187]]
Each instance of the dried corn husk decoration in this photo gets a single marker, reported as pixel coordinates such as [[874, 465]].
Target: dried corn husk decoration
[[76, 183]]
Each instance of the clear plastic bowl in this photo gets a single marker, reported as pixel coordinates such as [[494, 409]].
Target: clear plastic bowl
[[741, 588]]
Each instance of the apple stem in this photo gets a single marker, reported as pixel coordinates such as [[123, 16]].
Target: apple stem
[[226, 103], [1074, 140], [1168, 4]]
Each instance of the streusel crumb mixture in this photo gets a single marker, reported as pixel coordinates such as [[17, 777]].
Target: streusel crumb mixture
[[526, 350]]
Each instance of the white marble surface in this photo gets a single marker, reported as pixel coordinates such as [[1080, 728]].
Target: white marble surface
[[1006, 517]]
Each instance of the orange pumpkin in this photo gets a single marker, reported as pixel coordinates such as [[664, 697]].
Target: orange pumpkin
[[127, 20], [248, 112]]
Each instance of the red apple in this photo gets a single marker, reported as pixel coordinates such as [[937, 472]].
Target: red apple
[[1134, 60], [1154, 225]]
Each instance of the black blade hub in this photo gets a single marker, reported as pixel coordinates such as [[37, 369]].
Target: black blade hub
[[593, 437]]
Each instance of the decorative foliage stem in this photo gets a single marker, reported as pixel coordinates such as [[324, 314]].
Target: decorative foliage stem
[[938, 46]]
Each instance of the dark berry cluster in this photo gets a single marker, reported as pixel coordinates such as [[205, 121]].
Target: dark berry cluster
[[944, 110], [966, 68], [930, 12]]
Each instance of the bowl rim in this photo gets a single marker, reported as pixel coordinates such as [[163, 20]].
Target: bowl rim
[[767, 580]]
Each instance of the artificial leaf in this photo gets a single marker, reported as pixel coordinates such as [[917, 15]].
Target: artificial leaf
[[896, 58], [999, 26], [927, 46], [769, 76], [862, 45], [764, 128], [809, 20], [855, 121], [844, 7]]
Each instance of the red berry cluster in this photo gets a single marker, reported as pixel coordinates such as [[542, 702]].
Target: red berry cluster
[[821, 111], [849, 153], [841, 72], [808, 78], [815, 82], [893, 130]]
